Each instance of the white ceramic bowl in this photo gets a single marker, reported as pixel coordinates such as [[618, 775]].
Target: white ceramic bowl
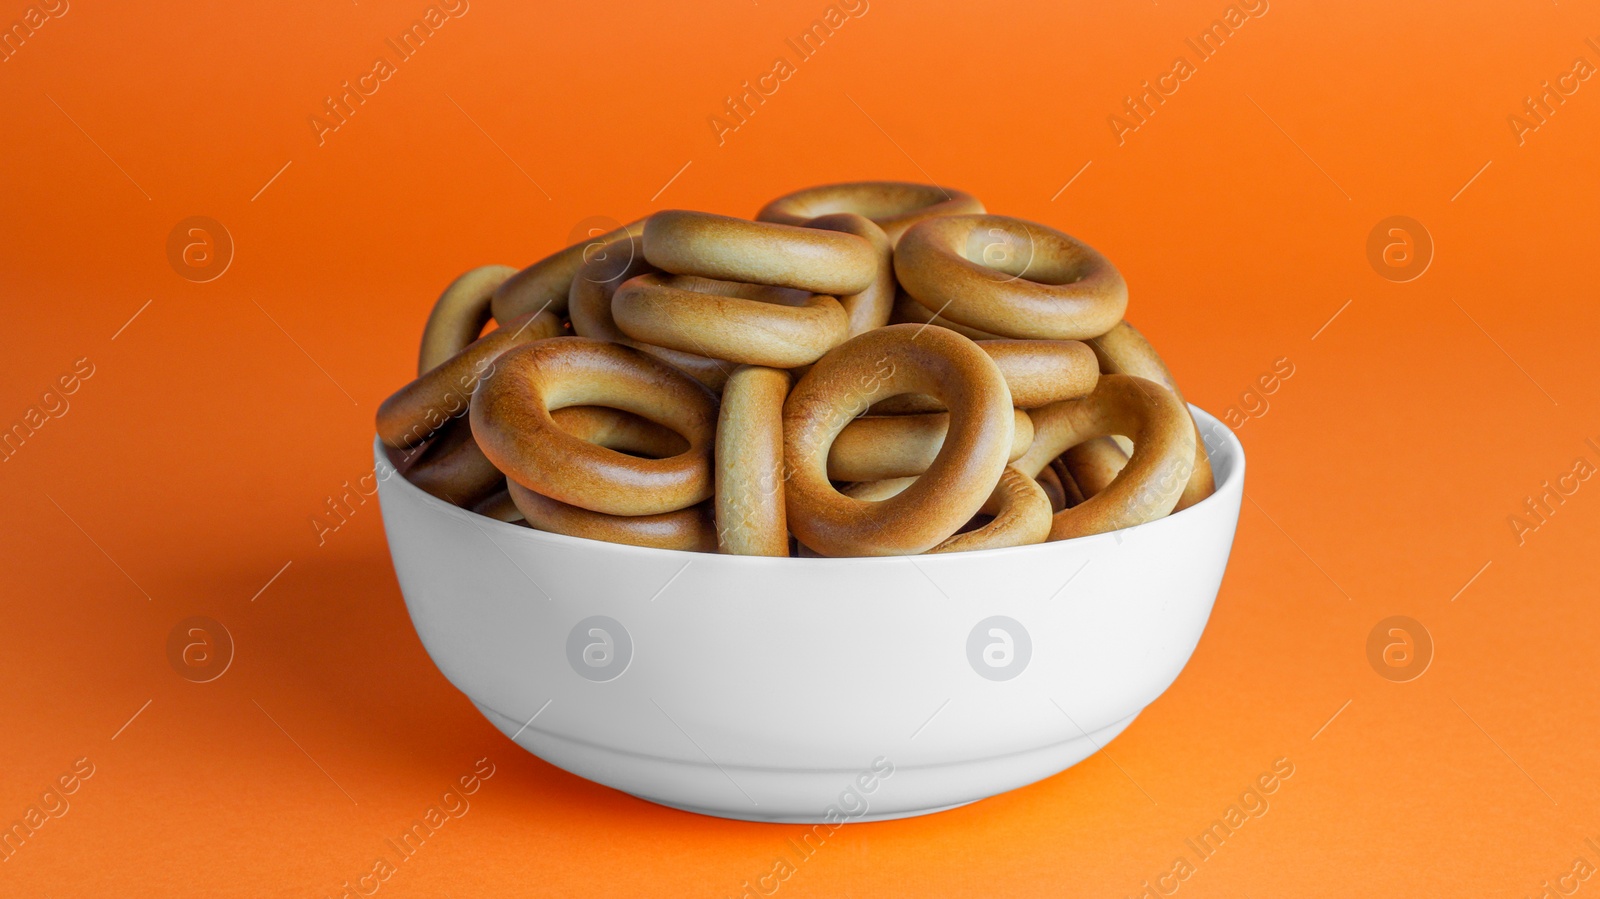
[[809, 690]]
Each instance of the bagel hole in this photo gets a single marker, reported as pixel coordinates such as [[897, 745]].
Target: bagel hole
[[1006, 254], [976, 522], [622, 432], [1011, 256]]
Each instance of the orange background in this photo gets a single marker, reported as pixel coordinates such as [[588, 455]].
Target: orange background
[[218, 422]]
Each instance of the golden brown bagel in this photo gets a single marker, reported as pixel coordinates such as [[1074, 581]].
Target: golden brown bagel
[[1010, 277], [1051, 482], [1022, 516], [886, 361], [610, 428], [1123, 350], [871, 307], [622, 431], [512, 422], [1020, 507], [589, 306], [685, 529], [1038, 372], [749, 459], [880, 490], [593, 285], [1069, 487], [411, 414], [498, 505], [893, 205], [732, 249], [451, 467], [546, 283], [864, 419], [1163, 452], [746, 323], [1094, 464], [875, 447], [459, 314], [1041, 372], [908, 310]]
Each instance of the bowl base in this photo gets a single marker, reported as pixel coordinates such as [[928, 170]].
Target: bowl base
[[799, 819], [802, 795]]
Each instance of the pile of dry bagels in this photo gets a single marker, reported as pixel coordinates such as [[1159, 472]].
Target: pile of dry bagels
[[867, 369]]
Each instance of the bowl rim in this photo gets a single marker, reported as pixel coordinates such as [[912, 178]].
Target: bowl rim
[[1208, 425]]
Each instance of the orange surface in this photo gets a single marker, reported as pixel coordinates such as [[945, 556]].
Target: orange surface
[[214, 425]]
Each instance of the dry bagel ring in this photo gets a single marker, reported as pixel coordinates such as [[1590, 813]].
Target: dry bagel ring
[[1094, 464], [893, 205], [685, 529], [887, 361], [1022, 516], [1152, 481], [749, 458], [498, 505], [871, 307], [411, 414], [610, 428], [908, 310], [746, 323], [879, 490], [459, 314], [969, 269], [1074, 495], [453, 468], [1038, 372], [589, 306], [511, 420], [596, 281], [1123, 350], [1041, 372], [1019, 504], [733, 249], [622, 431], [1051, 482], [876, 447], [545, 284]]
